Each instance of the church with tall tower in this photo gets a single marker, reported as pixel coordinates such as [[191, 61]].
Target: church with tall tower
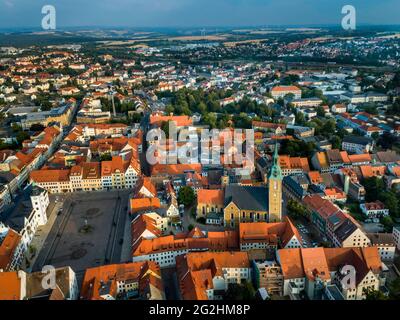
[[241, 204], [275, 189]]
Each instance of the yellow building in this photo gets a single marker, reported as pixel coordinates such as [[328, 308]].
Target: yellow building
[[275, 190], [254, 204], [209, 201]]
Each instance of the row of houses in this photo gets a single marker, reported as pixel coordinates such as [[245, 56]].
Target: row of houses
[[15, 167], [118, 173], [18, 227]]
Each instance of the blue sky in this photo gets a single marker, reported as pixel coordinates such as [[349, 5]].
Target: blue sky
[[172, 13]]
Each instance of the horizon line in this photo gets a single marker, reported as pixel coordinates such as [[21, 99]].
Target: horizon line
[[60, 28]]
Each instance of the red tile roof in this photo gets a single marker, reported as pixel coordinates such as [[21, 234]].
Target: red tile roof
[[10, 284], [213, 197], [7, 249]]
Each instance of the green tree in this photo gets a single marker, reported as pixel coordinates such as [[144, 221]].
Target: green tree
[[372, 295], [186, 196], [106, 157], [240, 292], [211, 120], [373, 187], [297, 210], [165, 127], [394, 289], [387, 223], [336, 142]]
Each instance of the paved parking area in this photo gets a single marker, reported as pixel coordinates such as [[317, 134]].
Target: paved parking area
[[88, 232], [309, 233]]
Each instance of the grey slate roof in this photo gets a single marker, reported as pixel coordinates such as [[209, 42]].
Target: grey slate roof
[[357, 140], [345, 230], [247, 198]]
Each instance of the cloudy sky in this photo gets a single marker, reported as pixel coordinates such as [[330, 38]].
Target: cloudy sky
[[188, 13]]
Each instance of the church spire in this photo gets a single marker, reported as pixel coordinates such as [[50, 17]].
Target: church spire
[[276, 171]]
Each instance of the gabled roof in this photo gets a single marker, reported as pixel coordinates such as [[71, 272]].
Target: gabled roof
[[345, 230], [8, 247], [174, 169], [196, 271], [312, 262], [139, 204], [10, 284], [315, 177], [212, 197], [181, 121], [270, 233], [145, 182], [141, 224], [194, 240], [247, 197], [50, 175], [285, 88], [103, 280]]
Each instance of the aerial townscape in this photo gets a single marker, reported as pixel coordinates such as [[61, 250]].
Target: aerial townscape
[[314, 214]]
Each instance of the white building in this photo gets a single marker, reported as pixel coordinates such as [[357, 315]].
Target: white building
[[396, 236], [357, 144], [374, 209], [207, 275], [312, 270], [385, 243]]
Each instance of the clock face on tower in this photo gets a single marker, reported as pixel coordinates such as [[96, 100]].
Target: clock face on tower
[[275, 185]]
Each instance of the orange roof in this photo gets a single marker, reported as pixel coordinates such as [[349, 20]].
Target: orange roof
[[322, 159], [117, 164], [181, 121], [315, 177], [195, 240], [315, 264], [354, 158], [91, 170], [10, 284], [45, 175], [319, 262], [268, 125], [141, 224], [145, 182], [396, 171], [140, 204], [285, 88], [174, 169], [369, 171], [287, 162], [196, 271], [345, 157], [377, 205], [335, 192], [96, 279], [8, 247], [214, 197], [323, 207], [271, 233]]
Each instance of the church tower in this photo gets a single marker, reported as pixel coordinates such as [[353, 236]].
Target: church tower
[[275, 189]]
